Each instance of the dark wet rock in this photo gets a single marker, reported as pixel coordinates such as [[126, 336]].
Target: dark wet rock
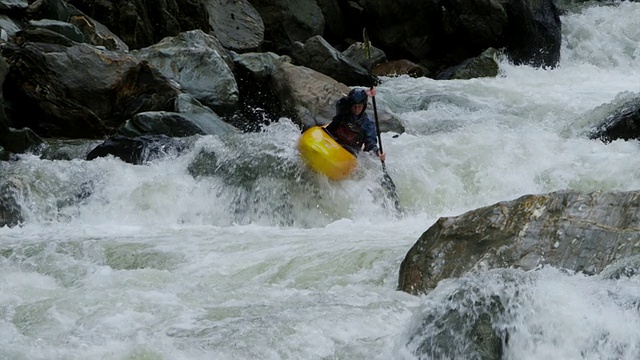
[[10, 211], [534, 33], [20, 140], [139, 150], [80, 91], [622, 121], [259, 103]]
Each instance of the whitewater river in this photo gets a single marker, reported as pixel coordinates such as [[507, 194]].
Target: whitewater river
[[256, 258]]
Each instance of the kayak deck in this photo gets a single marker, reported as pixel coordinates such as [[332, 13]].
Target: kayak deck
[[324, 155]]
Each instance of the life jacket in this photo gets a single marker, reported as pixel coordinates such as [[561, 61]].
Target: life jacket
[[348, 132], [346, 129]]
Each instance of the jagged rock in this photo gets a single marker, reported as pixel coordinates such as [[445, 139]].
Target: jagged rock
[[333, 17], [583, 232], [319, 55]]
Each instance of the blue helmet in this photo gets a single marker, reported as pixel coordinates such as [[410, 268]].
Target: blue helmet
[[358, 96]]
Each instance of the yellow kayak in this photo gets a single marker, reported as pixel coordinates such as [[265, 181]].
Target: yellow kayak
[[324, 155]]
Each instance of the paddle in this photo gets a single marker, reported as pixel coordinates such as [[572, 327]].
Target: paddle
[[387, 184]]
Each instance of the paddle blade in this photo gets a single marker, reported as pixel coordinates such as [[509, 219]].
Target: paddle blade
[[389, 188]]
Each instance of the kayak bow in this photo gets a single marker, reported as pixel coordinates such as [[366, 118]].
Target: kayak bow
[[324, 155]]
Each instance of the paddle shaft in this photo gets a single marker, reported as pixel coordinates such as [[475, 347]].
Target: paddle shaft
[[375, 115], [387, 184]]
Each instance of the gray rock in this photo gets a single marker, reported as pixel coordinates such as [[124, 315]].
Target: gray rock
[[236, 24], [198, 63]]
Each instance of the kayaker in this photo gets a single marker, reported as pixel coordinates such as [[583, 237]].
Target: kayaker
[[351, 127]]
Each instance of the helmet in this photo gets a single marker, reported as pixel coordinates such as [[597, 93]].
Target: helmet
[[358, 96]]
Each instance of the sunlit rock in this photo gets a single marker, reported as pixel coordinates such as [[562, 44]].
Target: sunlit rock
[[577, 231]]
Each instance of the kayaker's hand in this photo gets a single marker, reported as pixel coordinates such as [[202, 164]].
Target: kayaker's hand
[[372, 91], [382, 155]]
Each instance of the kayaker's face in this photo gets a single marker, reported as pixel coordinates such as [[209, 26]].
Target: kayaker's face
[[356, 109]]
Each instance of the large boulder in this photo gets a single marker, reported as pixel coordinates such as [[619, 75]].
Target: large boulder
[[308, 95], [534, 33], [80, 91], [583, 232], [199, 63]]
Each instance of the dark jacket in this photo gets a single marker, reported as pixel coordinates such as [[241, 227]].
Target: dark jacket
[[353, 131]]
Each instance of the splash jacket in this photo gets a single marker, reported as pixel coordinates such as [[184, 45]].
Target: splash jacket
[[352, 131]]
